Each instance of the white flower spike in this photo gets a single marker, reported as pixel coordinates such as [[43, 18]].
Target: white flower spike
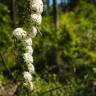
[[36, 7]]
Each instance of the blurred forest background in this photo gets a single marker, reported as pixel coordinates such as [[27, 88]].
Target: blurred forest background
[[64, 56]]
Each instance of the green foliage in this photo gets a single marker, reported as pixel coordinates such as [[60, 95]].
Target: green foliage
[[43, 88], [5, 37], [70, 51]]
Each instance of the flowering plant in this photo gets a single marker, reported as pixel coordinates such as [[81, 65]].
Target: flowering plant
[[25, 38]]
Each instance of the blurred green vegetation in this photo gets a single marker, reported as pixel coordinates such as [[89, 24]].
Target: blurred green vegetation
[[65, 59]]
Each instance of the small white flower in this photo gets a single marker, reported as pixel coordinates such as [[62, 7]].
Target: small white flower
[[33, 32], [27, 77], [37, 7], [19, 33], [29, 49], [28, 58], [27, 42], [31, 68], [36, 19]]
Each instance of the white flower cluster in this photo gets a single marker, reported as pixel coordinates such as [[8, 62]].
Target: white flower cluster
[[27, 58], [36, 7], [27, 42], [29, 49], [36, 19], [19, 33], [29, 85], [27, 76], [31, 68], [28, 80]]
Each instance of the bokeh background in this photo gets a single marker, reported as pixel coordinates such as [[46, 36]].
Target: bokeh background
[[65, 54]]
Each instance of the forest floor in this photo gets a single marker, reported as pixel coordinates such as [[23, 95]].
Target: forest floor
[[8, 89]]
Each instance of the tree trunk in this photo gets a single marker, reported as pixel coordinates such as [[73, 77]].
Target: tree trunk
[[55, 11], [93, 1], [13, 12], [62, 2], [48, 3]]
